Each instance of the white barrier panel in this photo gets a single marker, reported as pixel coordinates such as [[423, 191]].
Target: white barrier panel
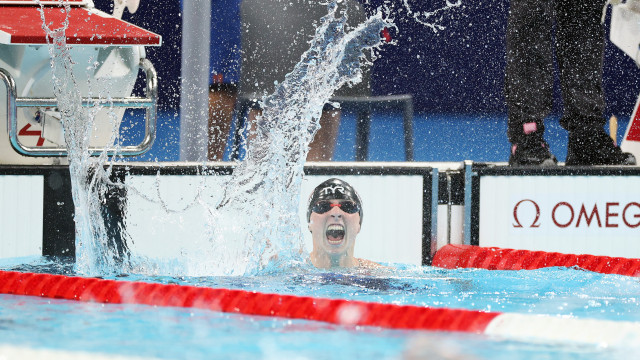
[[598, 215], [21, 206], [392, 228], [175, 219]]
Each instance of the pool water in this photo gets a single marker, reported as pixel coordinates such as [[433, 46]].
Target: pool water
[[174, 333]]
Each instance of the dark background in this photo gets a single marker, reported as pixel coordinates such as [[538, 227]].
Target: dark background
[[458, 70]]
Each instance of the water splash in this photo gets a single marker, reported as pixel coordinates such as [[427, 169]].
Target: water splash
[[94, 248], [406, 9], [431, 18], [261, 199], [255, 225]]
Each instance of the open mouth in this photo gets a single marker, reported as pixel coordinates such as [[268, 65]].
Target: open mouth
[[335, 234]]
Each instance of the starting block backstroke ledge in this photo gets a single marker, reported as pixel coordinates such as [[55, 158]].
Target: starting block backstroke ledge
[[114, 47]]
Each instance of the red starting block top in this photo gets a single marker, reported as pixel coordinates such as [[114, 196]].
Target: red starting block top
[[44, 2], [23, 25]]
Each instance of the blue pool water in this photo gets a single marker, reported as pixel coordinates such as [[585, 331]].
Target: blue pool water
[[177, 333]]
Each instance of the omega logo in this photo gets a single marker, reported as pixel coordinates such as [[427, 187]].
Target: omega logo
[[535, 223], [564, 214]]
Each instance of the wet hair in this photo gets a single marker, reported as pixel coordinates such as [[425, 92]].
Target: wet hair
[[334, 189]]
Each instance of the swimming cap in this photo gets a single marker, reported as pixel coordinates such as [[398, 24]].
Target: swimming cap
[[334, 189]]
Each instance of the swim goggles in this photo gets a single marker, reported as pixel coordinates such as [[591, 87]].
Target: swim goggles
[[322, 207]]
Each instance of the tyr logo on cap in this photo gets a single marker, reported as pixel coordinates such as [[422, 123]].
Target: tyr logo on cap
[[331, 190]]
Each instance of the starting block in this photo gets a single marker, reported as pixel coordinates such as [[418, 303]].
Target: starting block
[[107, 54]]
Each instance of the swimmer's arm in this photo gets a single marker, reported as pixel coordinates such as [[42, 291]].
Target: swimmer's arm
[[368, 264]]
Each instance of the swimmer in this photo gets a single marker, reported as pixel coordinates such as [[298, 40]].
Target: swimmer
[[335, 215]]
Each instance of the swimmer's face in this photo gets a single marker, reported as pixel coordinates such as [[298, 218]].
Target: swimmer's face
[[335, 230]]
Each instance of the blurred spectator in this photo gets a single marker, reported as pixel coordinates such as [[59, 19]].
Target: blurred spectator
[[275, 34], [225, 60]]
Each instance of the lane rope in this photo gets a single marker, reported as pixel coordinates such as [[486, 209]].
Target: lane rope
[[524, 327], [338, 311], [492, 258]]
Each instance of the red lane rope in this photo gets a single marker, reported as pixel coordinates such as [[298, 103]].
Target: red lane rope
[[467, 256], [338, 311]]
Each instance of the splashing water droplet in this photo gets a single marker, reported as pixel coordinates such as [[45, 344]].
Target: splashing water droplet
[[255, 223], [94, 248]]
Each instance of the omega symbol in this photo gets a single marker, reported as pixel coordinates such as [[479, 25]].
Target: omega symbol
[[535, 223]]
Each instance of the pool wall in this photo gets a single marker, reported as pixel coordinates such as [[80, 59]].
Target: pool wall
[[409, 216], [401, 194]]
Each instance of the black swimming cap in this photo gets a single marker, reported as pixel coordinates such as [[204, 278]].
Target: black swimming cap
[[334, 189]]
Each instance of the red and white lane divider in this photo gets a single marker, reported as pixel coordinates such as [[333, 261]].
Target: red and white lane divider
[[467, 256], [344, 312]]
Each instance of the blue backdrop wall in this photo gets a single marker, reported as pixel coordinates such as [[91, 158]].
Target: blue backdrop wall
[[457, 70]]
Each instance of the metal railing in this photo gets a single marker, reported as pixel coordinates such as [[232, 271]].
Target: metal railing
[[363, 105], [149, 103]]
